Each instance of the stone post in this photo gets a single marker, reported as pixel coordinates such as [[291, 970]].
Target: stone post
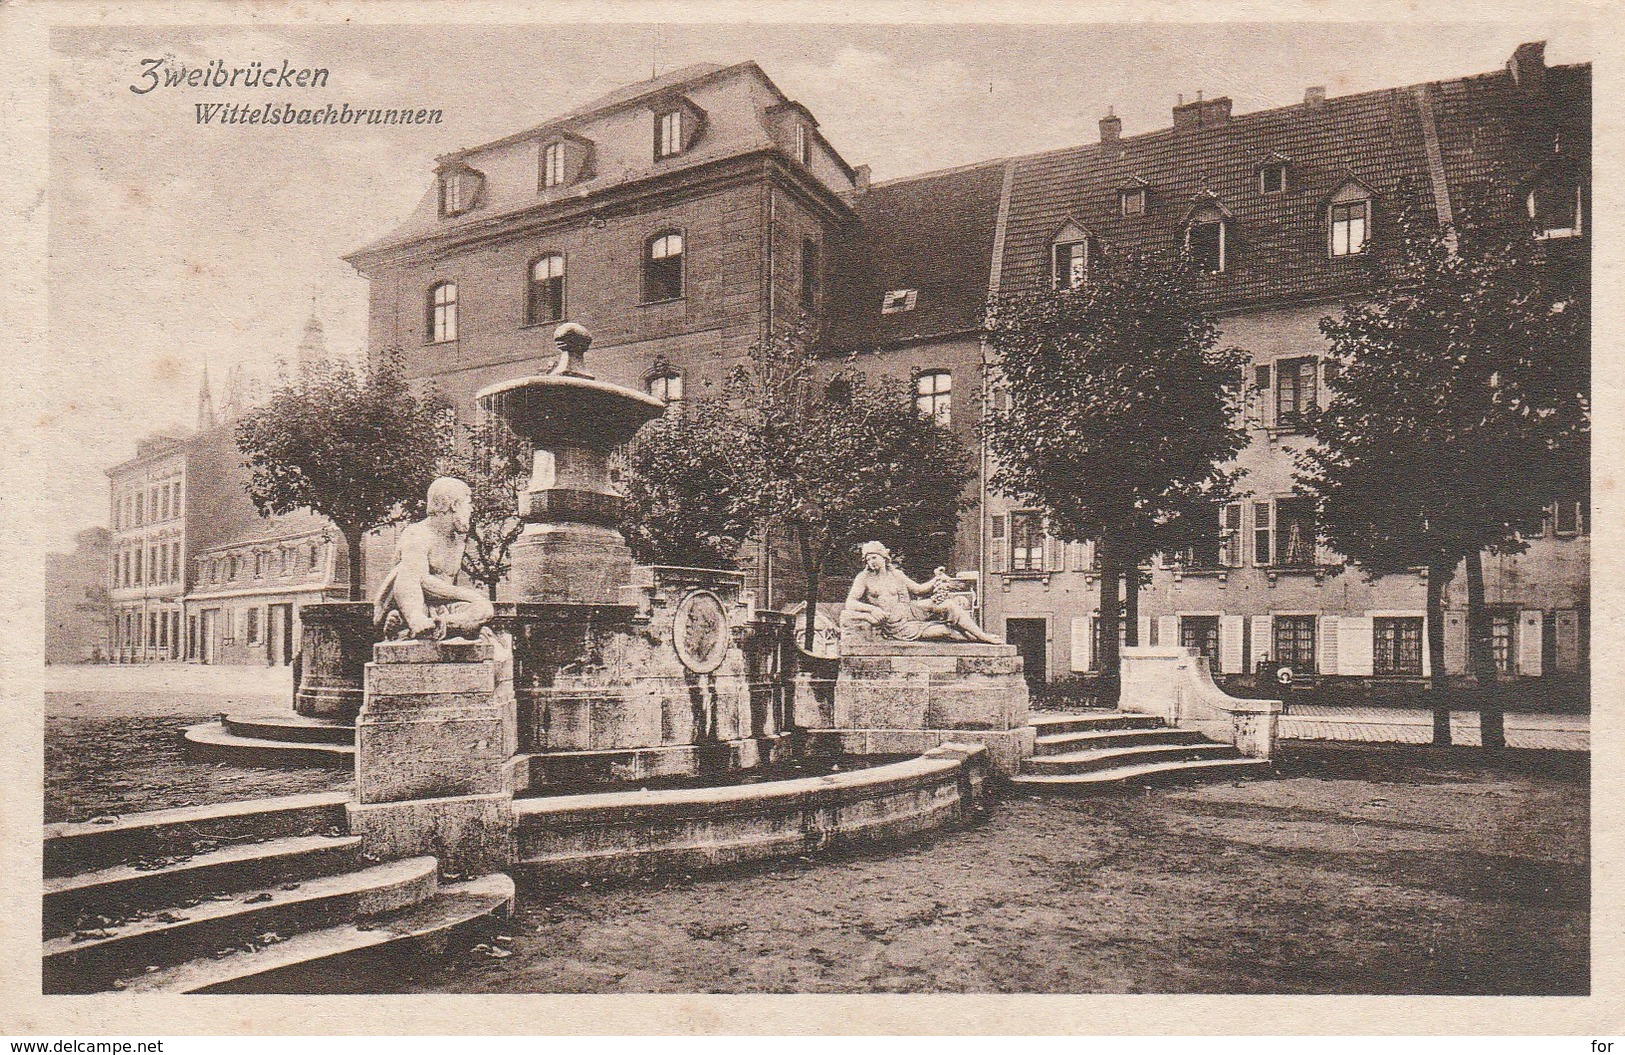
[[435, 746]]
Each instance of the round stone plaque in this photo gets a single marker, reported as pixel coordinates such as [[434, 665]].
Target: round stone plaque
[[699, 631]]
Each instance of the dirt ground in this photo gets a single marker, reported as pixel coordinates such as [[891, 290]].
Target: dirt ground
[[1359, 869]]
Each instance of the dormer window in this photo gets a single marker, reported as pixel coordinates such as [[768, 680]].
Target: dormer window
[[553, 165], [1556, 210], [1272, 177], [1348, 218], [896, 301], [1206, 237], [1069, 258], [460, 188], [1131, 201]]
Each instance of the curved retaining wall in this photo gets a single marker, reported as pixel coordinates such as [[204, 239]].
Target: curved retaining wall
[[635, 833]]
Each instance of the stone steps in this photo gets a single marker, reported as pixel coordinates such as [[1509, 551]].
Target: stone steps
[[1065, 743], [123, 889], [1050, 724], [1137, 775], [87, 846], [293, 728], [1084, 753], [216, 742], [87, 961], [1108, 758], [429, 924]]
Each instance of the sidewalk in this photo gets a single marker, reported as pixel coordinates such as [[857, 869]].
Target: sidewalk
[[1395, 725]]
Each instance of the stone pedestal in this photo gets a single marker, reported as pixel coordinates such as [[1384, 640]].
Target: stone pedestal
[[571, 563], [434, 743], [902, 697], [335, 642]]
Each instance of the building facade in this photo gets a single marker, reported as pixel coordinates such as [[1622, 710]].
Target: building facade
[[78, 615], [685, 218], [150, 500]]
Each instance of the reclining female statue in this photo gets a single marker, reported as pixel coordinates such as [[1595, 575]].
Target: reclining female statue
[[884, 598]]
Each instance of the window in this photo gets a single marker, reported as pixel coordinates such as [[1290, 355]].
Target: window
[[1350, 227], [1131, 200], [1397, 645], [1294, 391], [1272, 178], [1556, 210], [1294, 642], [253, 634], [315, 555], [663, 267], [1070, 266], [138, 507], [1295, 532], [1205, 241], [803, 145], [933, 396], [1026, 541], [1503, 627], [553, 165], [809, 273], [544, 297], [897, 300], [1568, 518], [1201, 632], [458, 190], [667, 386], [442, 313], [668, 134]]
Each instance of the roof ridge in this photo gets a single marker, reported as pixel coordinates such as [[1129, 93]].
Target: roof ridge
[[934, 173]]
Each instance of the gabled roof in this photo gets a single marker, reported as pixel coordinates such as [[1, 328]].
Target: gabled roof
[[931, 233], [290, 527]]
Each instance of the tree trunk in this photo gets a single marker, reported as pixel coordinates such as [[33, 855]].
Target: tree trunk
[[1438, 685], [1109, 684], [352, 541], [809, 571], [1131, 606], [1481, 651], [491, 591]]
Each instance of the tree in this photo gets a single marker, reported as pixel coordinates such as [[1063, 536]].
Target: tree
[[1120, 416], [693, 487], [844, 462], [358, 448], [496, 464], [1461, 410]]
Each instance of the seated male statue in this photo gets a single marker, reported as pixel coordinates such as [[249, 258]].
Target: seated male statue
[[884, 598], [421, 597]]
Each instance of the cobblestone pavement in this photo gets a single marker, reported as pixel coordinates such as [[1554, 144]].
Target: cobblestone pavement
[[1560, 732]]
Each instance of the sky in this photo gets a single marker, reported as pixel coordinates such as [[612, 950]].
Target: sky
[[174, 247]]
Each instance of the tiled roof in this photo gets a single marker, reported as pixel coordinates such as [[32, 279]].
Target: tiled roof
[[932, 234], [270, 529]]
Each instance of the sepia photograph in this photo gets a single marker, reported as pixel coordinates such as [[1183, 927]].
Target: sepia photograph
[[837, 506]]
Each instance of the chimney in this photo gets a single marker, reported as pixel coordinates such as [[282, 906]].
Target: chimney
[[860, 179], [1528, 65], [1111, 127], [1314, 98], [1202, 113]]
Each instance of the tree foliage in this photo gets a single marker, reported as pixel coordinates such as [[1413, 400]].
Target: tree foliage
[[496, 464], [845, 460], [1121, 414], [693, 487], [357, 448], [1461, 409]]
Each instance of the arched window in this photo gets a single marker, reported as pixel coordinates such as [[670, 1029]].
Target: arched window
[[441, 313], [544, 299], [933, 396], [663, 267], [667, 385]]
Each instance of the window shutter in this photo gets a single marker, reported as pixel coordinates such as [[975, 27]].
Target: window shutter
[[1230, 643], [1568, 639], [1077, 556], [1354, 645], [998, 552], [1531, 628], [1081, 640], [1264, 395], [1167, 629], [1427, 661], [1326, 645], [1263, 642], [1143, 627], [1052, 553], [1455, 641]]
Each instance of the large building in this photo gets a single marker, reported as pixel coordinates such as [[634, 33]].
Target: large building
[[78, 617], [683, 219]]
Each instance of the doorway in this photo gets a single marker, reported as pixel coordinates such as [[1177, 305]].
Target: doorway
[[208, 634], [1030, 636], [279, 635]]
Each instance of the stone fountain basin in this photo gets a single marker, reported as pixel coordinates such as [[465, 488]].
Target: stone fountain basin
[[552, 410]]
